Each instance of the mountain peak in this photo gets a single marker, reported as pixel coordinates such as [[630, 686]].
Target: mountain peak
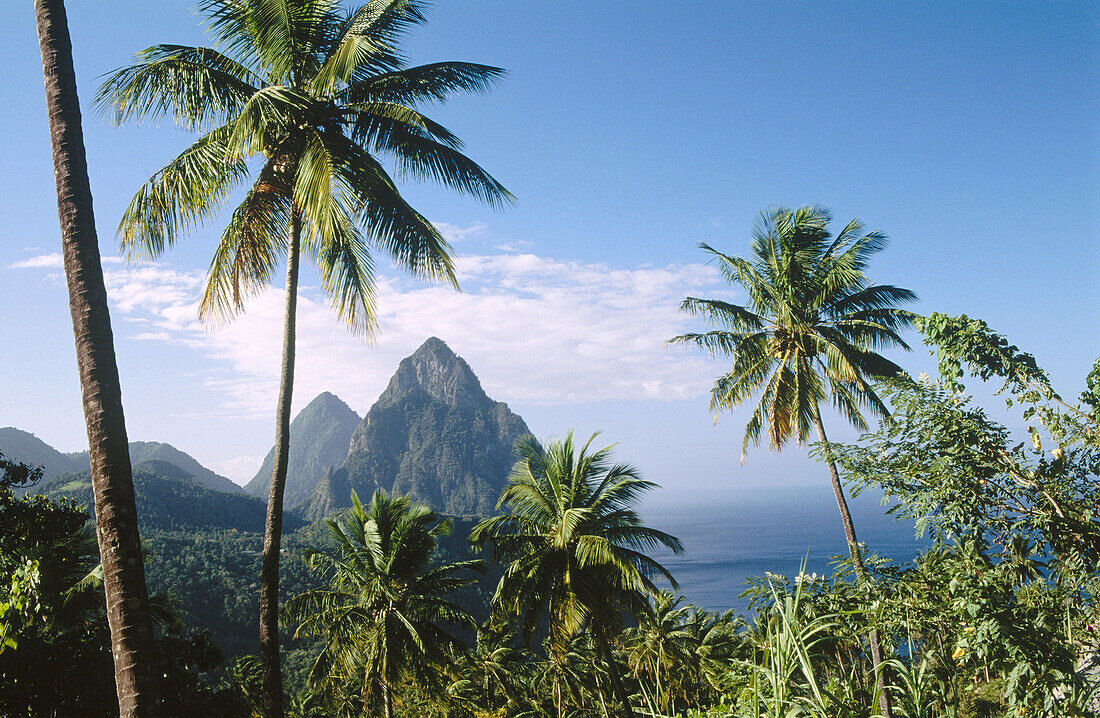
[[436, 370], [319, 438]]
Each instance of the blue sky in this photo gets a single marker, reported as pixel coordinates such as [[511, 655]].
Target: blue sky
[[629, 133]]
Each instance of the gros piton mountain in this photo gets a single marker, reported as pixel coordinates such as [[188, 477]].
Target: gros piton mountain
[[433, 434]]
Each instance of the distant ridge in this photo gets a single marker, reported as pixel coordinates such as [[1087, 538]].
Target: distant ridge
[[433, 434], [319, 438], [168, 498], [19, 445]]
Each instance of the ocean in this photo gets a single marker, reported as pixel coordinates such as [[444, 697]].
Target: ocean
[[747, 532]]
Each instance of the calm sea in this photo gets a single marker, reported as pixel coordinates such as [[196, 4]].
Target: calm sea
[[729, 538]]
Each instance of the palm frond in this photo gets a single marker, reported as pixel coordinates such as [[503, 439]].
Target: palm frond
[[196, 85]]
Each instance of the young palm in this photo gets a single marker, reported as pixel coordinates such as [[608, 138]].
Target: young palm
[[382, 616], [574, 546], [810, 332], [660, 647], [310, 97]]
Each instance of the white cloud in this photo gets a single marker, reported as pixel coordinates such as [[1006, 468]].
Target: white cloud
[[455, 234], [536, 330], [239, 469], [53, 260], [40, 261]]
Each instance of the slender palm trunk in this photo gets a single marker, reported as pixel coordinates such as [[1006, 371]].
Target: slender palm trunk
[[613, 673], [857, 559], [108, 450], [273, 526], [387, 701]]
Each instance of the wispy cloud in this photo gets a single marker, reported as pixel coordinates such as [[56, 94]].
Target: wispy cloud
[[52, 261], [456, 234], [239, 469], [536, 330], [40, 261]]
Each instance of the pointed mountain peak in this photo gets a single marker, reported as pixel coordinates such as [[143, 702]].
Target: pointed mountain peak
[[319, 437], [437, 371], [325, 401]]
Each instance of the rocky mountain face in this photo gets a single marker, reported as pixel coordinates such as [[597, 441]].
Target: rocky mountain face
[[23, 446], [433, 434], [319, 438]]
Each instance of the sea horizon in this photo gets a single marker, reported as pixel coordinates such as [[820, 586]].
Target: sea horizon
[[749, 531]]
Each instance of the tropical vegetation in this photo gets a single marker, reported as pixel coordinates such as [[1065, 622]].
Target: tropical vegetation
[[811, 331], [572, 613], [320, 94], [117, 530], [575, 551], [384, 614]]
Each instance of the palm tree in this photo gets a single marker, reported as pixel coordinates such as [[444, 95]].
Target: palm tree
[[659, 647], [319, 94], [108, 449], [574, 545], [490, 676], [811, 331], [681, 651], [380, 616]]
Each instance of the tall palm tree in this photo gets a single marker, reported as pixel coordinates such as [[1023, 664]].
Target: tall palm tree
[[811, 331], [574, 546], [108, 449], [316, 95], [381, 615]]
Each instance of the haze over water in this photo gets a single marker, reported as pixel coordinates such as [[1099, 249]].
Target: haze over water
[[732, 536]]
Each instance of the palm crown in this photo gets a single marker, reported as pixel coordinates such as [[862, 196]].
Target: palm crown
[[811, 328], [383, 615], [574, 544], [319, 94]]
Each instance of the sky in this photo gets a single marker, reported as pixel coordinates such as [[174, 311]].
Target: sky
[[629, 132]]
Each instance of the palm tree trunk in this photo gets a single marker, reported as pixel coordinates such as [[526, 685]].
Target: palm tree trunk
[[273, 526], [108, 450], [857, 559], [613, 673], [387, 701]]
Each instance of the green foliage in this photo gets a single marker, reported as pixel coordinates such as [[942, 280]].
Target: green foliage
[[169, 499], [954, 471], [961, 341], [574, 550], [681, 655], [1091, 395], [811, 329], [53, 620], [381, 617], [571, 539], [318, 94], [997, 612]]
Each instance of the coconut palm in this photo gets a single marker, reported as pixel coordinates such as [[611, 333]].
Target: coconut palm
[[574, 547], [810, 332], [490, 676], [681, 651], [382, 615], [108, 449], [316, 96], [660, 647]]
